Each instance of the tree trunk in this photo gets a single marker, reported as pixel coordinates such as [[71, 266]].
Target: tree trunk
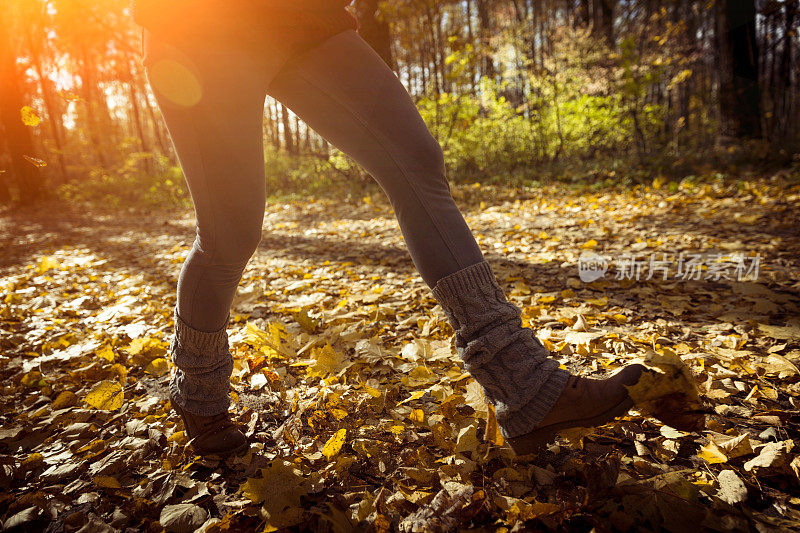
[[782, 113], [582, 14], [484, 33], [161, 137], [18, 140], [604, 20], [136, 112], [53, 111], [288, 139], [740, 94], [471, 41], [94, 121]]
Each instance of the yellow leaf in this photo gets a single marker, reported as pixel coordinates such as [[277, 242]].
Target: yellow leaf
[[474, 397], [157, 367], [33, 378], [467, 440], [774, 455], [145, 346], [106, 352], [94, 447], [522, 510], [590, 244], [326, 361], [416, 395], [667, 391], [107, 396], [305, 321], [106, 482], [679, 78], [419, 376], [417, 416], [34, 460], [712, 454], [35, 161], [731, 446], [778, 364], [272, 342], [397, 429], [375, 393], [746, 219], [334, 444], [46, 263], [29, 116], [492, 433], [64, 400], [575, 436], [119, 370], [280, 486], [178, 436], [338, 414]]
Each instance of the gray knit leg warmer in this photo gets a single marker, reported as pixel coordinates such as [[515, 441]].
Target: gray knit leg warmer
[[203, 366], [506, 359]]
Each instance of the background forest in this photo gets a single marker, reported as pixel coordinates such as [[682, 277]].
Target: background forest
[[517, 92]]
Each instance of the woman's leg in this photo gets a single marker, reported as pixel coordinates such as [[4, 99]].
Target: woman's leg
[[211, 90], [211, 96], [344, 91]]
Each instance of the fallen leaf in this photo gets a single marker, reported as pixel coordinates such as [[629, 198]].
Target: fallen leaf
[[107, 395], [182, 517], [773, 455], [334, 444], [731, 488], [667, 390]]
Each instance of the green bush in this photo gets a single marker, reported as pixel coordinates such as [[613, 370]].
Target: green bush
[[142, 180]]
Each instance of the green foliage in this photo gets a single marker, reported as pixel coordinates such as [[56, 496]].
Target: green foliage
[[584, 110], [296, 176], [481, 140], [486, 138], [150, 180], [142, 180]]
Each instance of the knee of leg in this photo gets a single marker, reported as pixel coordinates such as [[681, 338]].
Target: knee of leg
[[430, 158], [248, 241], [237, 244]]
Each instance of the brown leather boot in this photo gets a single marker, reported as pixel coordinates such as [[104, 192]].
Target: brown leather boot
[[212, 435], [585, 402], [533, 397]]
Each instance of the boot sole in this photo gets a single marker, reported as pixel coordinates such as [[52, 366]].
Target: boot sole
[[199, 451], [533, 441]]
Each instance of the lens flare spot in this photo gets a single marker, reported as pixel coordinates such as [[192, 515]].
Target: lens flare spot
[[176, 82]]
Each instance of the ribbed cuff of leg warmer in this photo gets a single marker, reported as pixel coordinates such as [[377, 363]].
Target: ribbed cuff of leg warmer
[[528, 417], [465, 280], [504, 357], [203, 366]]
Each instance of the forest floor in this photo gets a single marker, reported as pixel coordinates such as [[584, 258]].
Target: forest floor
[[358, 410]]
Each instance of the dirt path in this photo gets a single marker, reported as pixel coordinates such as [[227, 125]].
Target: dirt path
[[334, 330]]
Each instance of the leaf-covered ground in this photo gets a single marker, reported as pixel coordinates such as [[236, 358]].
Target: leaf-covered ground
[[359, 413]]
